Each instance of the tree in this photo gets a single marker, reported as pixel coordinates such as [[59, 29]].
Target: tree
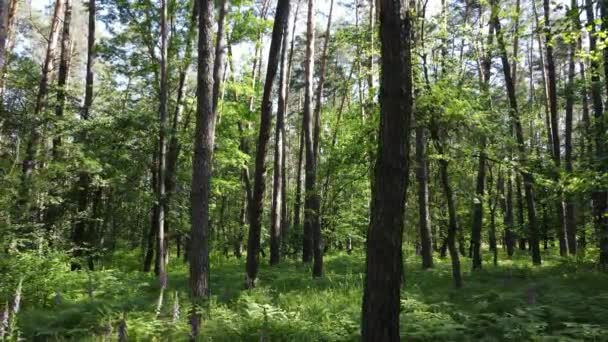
[[64, 70], [556, 148], [311, 200], [528, 179], [256, 205], [279, 158], [29, 161], [83, 183], [202, 162], [383, 265]]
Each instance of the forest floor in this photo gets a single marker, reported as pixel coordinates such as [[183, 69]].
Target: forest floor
[[559, 301]]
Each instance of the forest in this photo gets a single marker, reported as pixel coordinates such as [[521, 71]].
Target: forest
[[304, 170]]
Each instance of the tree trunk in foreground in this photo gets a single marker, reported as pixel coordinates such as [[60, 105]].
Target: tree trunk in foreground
[[381, 295]]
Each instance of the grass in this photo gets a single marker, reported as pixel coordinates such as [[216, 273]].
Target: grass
[[560, 301]]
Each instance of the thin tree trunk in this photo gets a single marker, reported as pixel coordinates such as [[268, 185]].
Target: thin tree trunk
[[551, 78], [256, 205], [514, 114], [63, 75], [601, 196], [481, 170], [7, 45], [83, 178], [570, 221], [277, 188], [220, 52], [384, 264], [424, 218], [311, 218], [162, 154], [29, 162], [316, 201]]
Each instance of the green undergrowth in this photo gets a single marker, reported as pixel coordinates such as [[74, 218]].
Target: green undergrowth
[[563, 300]]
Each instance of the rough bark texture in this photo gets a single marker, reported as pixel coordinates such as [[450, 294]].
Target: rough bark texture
[[514, 114], [381, 295], [256, 205], [203, 158]]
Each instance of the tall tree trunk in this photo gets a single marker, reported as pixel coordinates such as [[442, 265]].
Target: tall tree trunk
[[277, 188], [424, 218], [7, 45], [551, 78], [544, 76], [514, 115], [202, 162], [162, 152], [570, 221], [384, 264], [220, 52], [29, 161], [83, 178], [311, 213], [256, 205], [481, 169], [601, 197], [64, 71], [315, 201]]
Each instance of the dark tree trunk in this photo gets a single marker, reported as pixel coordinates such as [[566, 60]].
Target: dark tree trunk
[[31, 151], [384, 264], [514, 114], [202, 160], [256, 205], [570, 221], [278, 177], [556, 148], [424, 219], [481, 169], [507, 209], [83, 183], [315, 201], [452, 218], [63, 74], [311, 213], [600, 201]]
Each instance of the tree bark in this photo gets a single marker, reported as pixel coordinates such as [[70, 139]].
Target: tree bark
[[311, 218], [277, 188], [556, 149], [256, 205], [570, 221], [424, 218], [83, 183], [384, 264], [29, 161], [203, 160], [63, 75], [481, 169], [514, 115]]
